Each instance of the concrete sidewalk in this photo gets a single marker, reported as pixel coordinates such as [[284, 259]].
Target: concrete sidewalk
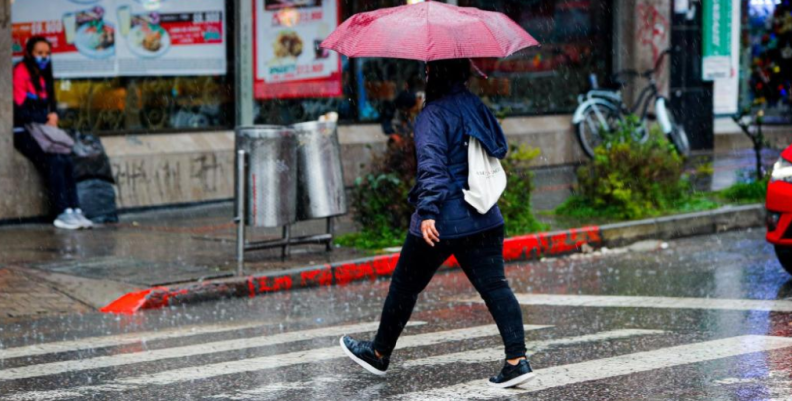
[[176, 246], [44, 270]]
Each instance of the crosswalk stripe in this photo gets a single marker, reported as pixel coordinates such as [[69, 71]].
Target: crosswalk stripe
[[496, 353], [472, 356], [250, 365], [121, 339], [60, 394], [52, 368], [611, 301], [258, 392], [295, 358], [599, 369]]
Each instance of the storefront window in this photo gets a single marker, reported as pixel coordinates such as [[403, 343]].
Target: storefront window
[[370, 85], [767, 56], [145, 104], [126, 66], [380, 81], [575, 37]]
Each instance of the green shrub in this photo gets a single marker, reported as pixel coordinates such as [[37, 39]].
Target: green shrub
[[750, 192], [379, 200], [515, 203], [631, 180]]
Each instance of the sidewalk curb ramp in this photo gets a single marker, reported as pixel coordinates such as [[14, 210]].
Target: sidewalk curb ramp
[[521, 248]]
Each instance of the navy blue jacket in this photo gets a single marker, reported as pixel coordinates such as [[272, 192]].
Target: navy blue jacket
[[441, 142]]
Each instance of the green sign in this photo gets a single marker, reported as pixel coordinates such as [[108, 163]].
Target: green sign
[[717, 27]]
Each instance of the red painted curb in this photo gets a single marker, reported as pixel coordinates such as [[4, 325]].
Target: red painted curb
[[524, 247]]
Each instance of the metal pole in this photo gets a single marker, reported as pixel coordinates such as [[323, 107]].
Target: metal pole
[[331, 231], [243, 82], [244, 62], [240, 212], [287, 239]]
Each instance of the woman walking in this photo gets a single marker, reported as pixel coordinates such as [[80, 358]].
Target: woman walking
[[444, 224], [34, 102]]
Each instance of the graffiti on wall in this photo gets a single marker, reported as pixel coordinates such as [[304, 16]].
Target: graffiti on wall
[[146, 181], [653, 30]]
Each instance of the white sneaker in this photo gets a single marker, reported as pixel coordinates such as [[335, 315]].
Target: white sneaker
[[68, 220], [84, 221]]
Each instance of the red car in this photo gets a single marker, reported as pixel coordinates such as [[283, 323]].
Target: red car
[[779, 209]]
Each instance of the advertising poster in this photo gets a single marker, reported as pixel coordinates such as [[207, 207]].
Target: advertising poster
[[82, 33], [105, 38], [178, 37], [288, 62]]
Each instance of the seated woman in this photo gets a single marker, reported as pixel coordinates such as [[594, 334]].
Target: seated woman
[[34, 102]]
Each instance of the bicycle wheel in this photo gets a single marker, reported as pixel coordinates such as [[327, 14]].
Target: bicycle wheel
[[597, 118], [678, 136], [641, 135]]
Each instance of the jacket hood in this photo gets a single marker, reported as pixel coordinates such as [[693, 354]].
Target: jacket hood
[[479, 122]]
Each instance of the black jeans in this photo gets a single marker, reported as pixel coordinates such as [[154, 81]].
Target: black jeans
[[481, 258], [57, 170]]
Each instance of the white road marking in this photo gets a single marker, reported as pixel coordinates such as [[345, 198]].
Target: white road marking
[[610, 301], [599, 369], [276, 390], [53, 368], [496, 353], [775, 384], [308, 356], [121, 339], [63, 394], [251, 365], [737, 380]]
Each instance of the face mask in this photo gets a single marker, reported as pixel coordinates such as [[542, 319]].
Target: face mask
[[42, 62]]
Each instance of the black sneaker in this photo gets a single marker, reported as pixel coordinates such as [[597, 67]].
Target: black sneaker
[[362, 352], [513, 375]]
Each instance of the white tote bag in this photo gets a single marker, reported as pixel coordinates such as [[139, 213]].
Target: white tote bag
[[486, 178]]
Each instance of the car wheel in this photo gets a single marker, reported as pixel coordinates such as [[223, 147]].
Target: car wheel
[[784, 254]]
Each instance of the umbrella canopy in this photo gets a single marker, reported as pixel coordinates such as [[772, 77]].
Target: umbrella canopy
[[429, 31]]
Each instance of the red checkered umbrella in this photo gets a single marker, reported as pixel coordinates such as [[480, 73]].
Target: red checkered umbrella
[[429, 31]]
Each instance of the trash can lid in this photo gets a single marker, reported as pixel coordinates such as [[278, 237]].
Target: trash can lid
[[315, 125], [264, 131]]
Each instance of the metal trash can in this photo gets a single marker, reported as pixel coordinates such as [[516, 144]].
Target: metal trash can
[[321, 180], [271, 182]]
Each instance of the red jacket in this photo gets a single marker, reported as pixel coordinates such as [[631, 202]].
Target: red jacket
[[30, 105]]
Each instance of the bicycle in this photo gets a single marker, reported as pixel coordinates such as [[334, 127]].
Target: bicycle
[[601, 110]]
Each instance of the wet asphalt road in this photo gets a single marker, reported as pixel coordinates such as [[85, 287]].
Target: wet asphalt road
[[709, 318]]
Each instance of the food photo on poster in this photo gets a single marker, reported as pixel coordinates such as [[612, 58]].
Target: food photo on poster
[[93, 36], [146, 37], [289, 62]]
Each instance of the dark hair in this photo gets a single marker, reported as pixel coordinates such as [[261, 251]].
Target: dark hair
[[37, 73], [444, 75]]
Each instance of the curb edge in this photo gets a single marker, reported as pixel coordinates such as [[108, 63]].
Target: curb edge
[[520, 248]]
